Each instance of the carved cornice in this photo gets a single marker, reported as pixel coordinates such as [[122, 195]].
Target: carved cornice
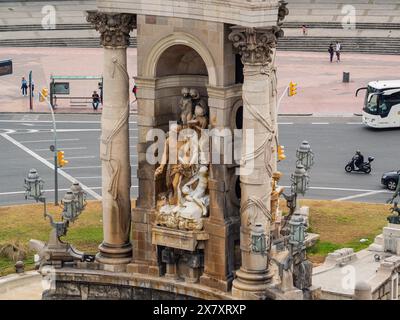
[[114, 28], [255, 44]]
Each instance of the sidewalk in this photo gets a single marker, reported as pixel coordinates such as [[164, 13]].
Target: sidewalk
[[45, 62], [320, 87]]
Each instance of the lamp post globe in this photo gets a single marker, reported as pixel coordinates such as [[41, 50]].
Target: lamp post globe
[[297, 230], [80, 195], [33, 185], [300, 179], [70, 211], [305, 155]]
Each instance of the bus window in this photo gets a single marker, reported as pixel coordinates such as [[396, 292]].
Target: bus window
[[371, 105], [387, 102]]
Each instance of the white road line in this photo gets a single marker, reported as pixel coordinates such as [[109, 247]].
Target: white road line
[[354, 123], [49, 190], [40, 141], [99, 177], [61, 148], [285, 123], [74, 158], [47, 121], [320, 123], [344, 189], [48, 164], [360, 195], [77, 168]]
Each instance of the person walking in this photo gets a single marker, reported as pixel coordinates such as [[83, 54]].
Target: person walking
[[24, 86], [338, 50], [33, 88], [96, 100], [305, 31], [331, 52]]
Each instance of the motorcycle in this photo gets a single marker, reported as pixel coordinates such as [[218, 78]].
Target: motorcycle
[[365, 167]]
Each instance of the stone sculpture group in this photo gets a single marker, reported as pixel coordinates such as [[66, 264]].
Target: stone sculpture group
[[186, 201]]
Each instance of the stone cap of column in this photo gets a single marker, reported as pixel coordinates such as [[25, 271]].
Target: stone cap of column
[[247, 13], [114, 27]]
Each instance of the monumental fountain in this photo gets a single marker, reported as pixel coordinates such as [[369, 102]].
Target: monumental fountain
[[207, 222]]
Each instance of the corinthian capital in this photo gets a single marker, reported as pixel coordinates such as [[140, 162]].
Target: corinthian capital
[[114, 28], [255, 44]]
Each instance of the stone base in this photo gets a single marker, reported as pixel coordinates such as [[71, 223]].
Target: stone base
[[94, 283], [114, 255], [251, 285], [211, 282], [143, 268]]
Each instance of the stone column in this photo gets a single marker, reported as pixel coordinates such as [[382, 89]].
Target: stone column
[[116, 248], [257, 48]]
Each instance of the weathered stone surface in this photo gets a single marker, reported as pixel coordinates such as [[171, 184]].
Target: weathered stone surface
[[250, 13]]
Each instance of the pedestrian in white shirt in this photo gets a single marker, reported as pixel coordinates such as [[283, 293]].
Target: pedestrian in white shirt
[[338, 49]]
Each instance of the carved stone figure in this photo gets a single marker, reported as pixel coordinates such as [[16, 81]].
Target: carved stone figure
[[186, 201], [185, 107]]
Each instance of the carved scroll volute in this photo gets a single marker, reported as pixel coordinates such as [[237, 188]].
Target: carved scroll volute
[[255, 45], [114, 28]]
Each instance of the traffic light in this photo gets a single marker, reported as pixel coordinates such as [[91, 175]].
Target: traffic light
[[43, 94], [292, 89], [60, 159], [281, 153]]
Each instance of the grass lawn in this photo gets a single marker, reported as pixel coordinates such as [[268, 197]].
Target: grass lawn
[[343, 224], [19, 224], [340, 224]]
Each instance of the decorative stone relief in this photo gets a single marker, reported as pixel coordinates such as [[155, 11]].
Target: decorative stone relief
[[255, 44], [113, 27]]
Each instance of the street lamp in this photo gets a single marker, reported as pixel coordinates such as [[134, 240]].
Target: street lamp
[[297, 231], [80, 196], [299, 180], [74, 202], [305, 155], [33, 186]]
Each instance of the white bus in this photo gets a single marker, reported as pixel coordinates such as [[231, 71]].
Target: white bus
[[382, 104]]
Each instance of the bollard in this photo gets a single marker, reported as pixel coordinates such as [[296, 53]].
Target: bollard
[[19, 267], [346, 77]]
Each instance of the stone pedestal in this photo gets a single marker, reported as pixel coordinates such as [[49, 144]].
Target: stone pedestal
[[391, 235], [114, 145]]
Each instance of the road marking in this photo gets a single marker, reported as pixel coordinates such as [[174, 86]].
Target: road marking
[[99, 177], [61, 148], [343, 189], [51, 166], [77, 168], [361, 195], [285, 123], [354, 123], [74, 158], [47, 121], [49, 190], [40, 141], [320, 123], [82, 157]]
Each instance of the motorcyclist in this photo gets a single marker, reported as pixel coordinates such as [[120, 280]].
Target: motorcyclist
[[358, 159]]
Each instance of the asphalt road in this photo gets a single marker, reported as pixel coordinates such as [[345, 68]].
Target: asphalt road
[[25, 141]]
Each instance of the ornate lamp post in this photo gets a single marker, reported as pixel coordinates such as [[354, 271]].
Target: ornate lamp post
[[80, 196], [305, 155], [34, 186], [55, 251]]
